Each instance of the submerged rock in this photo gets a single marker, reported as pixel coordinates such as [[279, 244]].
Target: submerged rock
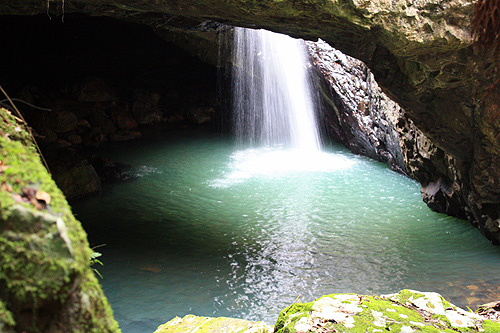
[[191, 323]]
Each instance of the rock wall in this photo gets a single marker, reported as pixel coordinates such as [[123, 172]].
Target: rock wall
[[356, 112]]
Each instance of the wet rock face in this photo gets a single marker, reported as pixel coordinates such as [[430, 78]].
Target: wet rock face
[[361, 116], [356, 111]]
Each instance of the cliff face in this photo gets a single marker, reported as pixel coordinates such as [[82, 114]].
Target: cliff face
[[420, 53]]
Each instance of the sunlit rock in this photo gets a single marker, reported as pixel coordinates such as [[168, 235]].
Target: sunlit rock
[[406, 311], [191, 323]]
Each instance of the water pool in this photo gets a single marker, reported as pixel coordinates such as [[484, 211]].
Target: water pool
[[211, 230]]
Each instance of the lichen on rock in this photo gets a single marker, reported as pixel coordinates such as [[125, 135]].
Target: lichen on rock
[[191, 323], [406, 311], [46, 283]]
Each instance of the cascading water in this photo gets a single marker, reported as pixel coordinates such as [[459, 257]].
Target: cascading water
[[271, 93]]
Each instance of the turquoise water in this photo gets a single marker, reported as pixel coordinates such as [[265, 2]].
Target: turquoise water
[[211, 230]]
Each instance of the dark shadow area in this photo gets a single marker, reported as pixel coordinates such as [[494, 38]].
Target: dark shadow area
[[90, 80]]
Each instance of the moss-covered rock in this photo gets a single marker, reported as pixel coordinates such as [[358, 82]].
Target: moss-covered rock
[[406, 311], [191, 323], [46, 283]]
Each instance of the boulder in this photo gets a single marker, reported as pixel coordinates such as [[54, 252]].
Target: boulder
[[191, 323], [45, 278], [61, 122], [74, 175], [406, 311], [95, 90], [101, 121], [201, 115], [122, 118], [145, 109]]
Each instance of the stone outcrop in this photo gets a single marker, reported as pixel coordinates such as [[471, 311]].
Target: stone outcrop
[[46, 282], [407, 311]]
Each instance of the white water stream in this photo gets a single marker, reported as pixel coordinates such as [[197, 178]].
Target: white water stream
[[272, 99]]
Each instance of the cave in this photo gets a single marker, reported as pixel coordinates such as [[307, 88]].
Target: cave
[[89, 85]]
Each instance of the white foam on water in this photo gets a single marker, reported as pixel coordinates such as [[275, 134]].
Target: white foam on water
[[275, 162]]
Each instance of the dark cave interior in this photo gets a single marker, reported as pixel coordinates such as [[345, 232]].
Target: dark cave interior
[[90, 80]]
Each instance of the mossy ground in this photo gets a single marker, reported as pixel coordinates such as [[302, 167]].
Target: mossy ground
[[45, 279]]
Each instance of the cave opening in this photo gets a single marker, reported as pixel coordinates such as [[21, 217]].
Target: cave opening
[[220, 239]]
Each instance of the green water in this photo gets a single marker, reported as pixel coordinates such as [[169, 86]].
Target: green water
[[209, 230]]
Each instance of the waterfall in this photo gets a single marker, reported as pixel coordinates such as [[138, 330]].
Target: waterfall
[[271, 91]]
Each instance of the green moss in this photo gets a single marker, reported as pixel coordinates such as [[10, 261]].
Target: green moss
[[289, 316], [7, 321], [372, 313], [491, 326], [404, 296], [45, 253], [191, 323]]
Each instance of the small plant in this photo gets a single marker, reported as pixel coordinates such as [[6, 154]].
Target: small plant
[[94, 260]]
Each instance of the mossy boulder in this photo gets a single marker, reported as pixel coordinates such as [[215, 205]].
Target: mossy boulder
[[406, 311], [191, 323], [46, 283]]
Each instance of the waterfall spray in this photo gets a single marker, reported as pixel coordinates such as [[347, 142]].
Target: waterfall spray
[[271, 98]]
